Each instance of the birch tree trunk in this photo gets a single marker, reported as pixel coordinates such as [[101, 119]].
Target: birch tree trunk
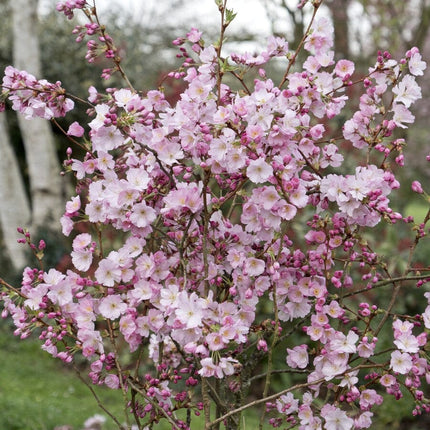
[[43, 165], [14, 206]]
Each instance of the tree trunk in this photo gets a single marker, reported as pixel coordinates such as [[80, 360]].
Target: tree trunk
[[339, 14], [43, 166], [14, 207]]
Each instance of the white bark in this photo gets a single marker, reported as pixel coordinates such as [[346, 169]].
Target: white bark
[[14, 205], [43, 166]]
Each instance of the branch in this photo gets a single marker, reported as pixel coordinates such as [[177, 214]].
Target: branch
[[110, 46], [222, 8], [74, 141], [11, 288], [387, 282], [399, 285], [278, 372], [281, 393]]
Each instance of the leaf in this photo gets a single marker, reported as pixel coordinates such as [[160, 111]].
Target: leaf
[[226, 67], [229, 16]]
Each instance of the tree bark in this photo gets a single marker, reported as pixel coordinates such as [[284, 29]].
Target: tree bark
[[339, 14], [14, 207], [43, 165], [420, 34]]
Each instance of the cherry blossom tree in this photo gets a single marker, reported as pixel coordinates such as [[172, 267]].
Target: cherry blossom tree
[[242, 236]]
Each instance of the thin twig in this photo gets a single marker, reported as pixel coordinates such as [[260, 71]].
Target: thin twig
[[74, 141], [219, 47], [110, 46], [277, 372], [153, 403], [96, 397], [270, 354], [299, 48], [386, 282], [11, 288], [295, 387], [120, 371]]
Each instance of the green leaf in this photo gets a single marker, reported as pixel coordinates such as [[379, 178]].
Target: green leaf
[[226, 67], [229, 16]]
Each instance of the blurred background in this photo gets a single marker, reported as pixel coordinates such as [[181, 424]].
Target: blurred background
[[34, 37]]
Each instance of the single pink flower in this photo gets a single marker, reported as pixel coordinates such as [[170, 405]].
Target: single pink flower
[[75, 129]]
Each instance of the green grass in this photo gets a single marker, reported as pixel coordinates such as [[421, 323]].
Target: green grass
[[38, 392]]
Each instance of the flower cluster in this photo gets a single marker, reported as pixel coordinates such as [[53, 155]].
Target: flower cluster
[[205, 196], [67, 7], [34, 98]]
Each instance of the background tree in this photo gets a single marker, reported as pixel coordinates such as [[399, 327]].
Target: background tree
[[43, 167], [44, 202], [14, 209]]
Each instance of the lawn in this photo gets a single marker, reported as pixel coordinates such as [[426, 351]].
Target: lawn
[[39, 393]]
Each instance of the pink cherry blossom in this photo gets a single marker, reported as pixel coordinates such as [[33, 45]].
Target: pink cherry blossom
[[335, 418], [387, 380], [254, 266], [82, 259], [369, 398], [190, 309], [344, 68], [259, 171], [407, 91], [298, 357], [402, 115], [112, 307], [416, 65], [108, 273], [401, 362], [407, 343], [75, 129]]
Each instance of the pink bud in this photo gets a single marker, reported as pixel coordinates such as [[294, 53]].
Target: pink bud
[[416, 186]]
